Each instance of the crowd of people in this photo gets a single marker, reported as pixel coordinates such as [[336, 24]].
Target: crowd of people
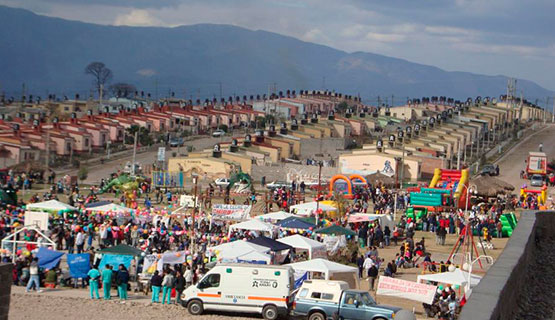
[[153, 230]]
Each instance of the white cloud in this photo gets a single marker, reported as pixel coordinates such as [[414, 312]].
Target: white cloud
[[146, 72], [137, 17], [385, 37]]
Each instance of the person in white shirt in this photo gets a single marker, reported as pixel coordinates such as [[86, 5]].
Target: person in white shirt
[[368, 263], [80, 241], [188, 277]]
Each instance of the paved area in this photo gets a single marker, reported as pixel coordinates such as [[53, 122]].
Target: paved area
[[512, 163]]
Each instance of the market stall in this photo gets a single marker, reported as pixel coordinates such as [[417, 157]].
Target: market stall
[[314, 248]]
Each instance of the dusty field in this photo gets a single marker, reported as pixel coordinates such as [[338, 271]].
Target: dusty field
[[45, 306]]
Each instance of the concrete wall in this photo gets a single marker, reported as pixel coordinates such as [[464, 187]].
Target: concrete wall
[[497, 296], [280, 172], [325, 146], [6, 277]]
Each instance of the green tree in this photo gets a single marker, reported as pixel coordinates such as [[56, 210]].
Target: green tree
[[144, 137], [342, 107], [83, 173]]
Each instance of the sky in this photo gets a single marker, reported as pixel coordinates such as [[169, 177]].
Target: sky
[[497, 37]]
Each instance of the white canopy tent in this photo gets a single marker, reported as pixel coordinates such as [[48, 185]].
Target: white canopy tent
[[253, 225], [50, 205], [307, 208], [275, 216], [231, 251], [255, 257], [111, 207], [455, 277], [315, 249], [330, 270]]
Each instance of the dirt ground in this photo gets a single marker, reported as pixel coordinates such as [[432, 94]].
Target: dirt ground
[[46, 306]]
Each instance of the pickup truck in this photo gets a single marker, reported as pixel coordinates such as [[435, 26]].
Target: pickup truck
[[316, 302]]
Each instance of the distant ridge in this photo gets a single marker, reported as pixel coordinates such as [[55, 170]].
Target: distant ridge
[[50, 54]]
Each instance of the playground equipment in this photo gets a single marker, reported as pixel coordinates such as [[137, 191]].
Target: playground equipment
[[446, 189], [126, 184], [508, 222], [417, 215], [541, 194], [243, 182], [349, 181]]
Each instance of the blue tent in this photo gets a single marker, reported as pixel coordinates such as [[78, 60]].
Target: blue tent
[[49, 259], [97, 204], [295, 223], [270, 243]]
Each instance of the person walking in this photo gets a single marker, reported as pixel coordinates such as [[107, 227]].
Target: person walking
[[34, 276], [94, 276], [167, 285], [179, 287], [372, 274], [155, 283], [107, 281], [122, 279]]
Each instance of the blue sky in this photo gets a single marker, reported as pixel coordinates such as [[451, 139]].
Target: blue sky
[[510, 37]]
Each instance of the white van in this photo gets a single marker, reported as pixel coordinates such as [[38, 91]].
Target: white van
[[248, 288]]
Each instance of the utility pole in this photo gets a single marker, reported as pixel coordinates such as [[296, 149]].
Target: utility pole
[[392, 104], [134, 152], [553, 112], [47, 149], [402, 166], [459, 156], [319, 188], [195, 181]]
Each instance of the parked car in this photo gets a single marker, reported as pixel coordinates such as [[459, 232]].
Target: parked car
[[537, 180], [176, 142], [223, 182], [278, 184], [323, 299], [218, 133], [254, 288], [489, 169]]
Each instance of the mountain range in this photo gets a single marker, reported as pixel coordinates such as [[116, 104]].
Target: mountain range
[[49, 55]]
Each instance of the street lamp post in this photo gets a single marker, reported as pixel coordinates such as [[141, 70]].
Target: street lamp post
[[468, 267], [319, 189], [195, 181]]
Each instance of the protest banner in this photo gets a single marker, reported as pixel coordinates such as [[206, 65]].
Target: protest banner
[[79, 265], [388, 286], [231, 212]]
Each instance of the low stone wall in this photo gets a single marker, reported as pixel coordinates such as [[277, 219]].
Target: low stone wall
[[6, 277], [498, 296]]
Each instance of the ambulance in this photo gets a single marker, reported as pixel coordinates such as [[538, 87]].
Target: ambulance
[[245, 288]]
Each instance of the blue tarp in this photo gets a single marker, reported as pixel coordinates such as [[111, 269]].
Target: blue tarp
[[49, 259], [97, 204], [270, 243], [79, 265], [115, 260], [295, 223], [251, 261]]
